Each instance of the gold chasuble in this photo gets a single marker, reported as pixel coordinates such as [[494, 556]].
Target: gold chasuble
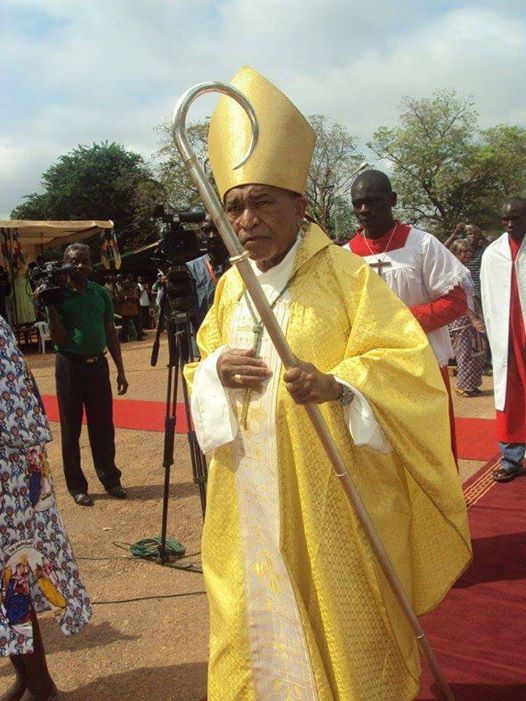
[[299, 608], [346, 321]]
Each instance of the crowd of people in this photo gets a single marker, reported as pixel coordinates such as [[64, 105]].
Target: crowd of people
[[132, 302], [299, 606]]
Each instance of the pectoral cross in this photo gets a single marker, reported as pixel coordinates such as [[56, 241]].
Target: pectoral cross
[[379, 265], [258, 335]]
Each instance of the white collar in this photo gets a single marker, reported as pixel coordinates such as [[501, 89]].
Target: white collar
[[280, 271]]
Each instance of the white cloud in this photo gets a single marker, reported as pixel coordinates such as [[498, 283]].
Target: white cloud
[[80, 72], [463, 50]]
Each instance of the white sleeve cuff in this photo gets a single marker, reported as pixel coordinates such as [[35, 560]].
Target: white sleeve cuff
[[363, 426], [214, 420]]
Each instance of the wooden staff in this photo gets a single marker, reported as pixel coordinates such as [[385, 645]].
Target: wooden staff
[[239, 258]]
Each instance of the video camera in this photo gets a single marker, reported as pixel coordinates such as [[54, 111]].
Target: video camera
[[49, 278], [178, 245], [175, 249]]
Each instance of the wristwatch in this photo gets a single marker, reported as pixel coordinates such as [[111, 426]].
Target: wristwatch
[[346, 396]]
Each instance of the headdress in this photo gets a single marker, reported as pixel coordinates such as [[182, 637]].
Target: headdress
[[284, 150]]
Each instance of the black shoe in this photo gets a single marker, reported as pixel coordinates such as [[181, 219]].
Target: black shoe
[[118, 492], [53, 696], [83, 499]]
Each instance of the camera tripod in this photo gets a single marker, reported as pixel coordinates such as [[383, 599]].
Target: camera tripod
[[180, 351]]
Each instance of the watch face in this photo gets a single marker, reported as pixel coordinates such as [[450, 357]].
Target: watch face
[[347, 396]]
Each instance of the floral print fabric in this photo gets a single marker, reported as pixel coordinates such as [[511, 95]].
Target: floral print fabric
[[37, 569]]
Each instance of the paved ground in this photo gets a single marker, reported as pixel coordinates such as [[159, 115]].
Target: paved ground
[[148, 638]]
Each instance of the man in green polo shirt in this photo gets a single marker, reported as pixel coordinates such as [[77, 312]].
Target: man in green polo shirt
[[82, 329]]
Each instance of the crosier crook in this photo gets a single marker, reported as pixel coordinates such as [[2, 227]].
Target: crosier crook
[[239, 258]]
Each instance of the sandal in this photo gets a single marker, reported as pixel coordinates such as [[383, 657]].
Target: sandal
[[500, 474], [464, 392]]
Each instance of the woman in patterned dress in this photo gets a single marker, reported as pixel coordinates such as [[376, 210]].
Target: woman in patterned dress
[[467, 332], [38, 571]]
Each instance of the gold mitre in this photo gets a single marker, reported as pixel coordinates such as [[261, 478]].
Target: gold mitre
[[286, 141]]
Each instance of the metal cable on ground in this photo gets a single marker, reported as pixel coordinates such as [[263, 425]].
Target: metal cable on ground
[[145, 549], [149, 548], [148, 598]]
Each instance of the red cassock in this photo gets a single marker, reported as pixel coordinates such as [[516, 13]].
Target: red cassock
[[511, 423], [433, 314]]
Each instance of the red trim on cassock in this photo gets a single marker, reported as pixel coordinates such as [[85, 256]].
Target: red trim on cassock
[[511, 422], [431, 315], [442, 310], [358, 244], [445, 376]]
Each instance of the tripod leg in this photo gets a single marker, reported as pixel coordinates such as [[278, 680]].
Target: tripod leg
[[169, 434], [179, 344], [199, 467]]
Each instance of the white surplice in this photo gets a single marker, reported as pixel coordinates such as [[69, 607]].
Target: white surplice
[[495, 285], [420, 272]]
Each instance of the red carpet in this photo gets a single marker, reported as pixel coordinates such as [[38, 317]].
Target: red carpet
[[475, 438], [130, 413], [479, 632]]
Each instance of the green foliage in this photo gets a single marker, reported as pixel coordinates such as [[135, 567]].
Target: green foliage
[[179, 190], [330, 177], [335, 158], [35, 207], [102, 181], [444, 168], [502, 150]]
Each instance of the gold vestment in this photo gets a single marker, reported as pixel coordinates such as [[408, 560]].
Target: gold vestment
[[346, 321]]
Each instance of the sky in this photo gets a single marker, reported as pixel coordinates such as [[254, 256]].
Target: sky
[[77, 72]]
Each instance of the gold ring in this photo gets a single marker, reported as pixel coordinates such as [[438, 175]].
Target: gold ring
[[238, 379]]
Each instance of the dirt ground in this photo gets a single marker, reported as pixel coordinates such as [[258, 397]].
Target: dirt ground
[[148, 637]]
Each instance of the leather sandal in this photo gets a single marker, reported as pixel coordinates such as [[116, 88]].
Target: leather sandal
[[500, 474], [465, 392]]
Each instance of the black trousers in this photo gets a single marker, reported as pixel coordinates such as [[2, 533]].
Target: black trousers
[[125, 328], [145, 317], [82, 385]]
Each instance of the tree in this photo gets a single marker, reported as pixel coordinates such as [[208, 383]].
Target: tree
[[102, 181], [444, 168], [334, 161], [335, 158], [503, 150], [178, 188]]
